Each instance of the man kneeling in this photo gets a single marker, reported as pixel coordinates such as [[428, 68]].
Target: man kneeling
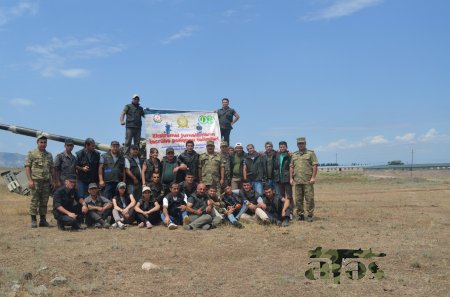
[[67, 205], [99, 208], [276, 207], [199, 209]]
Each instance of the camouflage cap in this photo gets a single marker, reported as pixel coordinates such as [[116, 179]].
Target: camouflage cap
[[41, 136], [121, 185], [301, 140], [210, 142], [223, 143]]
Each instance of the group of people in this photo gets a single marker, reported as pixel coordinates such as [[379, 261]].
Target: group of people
[[197, 191]]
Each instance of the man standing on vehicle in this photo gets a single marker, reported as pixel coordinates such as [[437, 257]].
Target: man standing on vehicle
[[133, 124], [227, 118]]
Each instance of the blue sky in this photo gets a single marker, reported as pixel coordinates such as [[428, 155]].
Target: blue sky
[[368, 80]]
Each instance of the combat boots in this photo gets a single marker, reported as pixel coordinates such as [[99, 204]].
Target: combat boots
[[43, 222], [33, 222]]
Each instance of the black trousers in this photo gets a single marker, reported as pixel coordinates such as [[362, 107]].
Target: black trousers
[[226, 135], [154, 218], [93, 216]]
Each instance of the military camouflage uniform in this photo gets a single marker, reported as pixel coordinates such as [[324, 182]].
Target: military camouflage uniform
[[303, 164], [210, 166], [41, 164], [226, 163]]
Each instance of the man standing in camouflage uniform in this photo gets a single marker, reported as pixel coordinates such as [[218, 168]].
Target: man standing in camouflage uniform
[[210, 169], [303, 171], [226, 162], [38, 166], [133, 124]]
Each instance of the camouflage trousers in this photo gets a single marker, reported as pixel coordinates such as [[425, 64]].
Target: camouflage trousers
[[39, 197], [304, 192]]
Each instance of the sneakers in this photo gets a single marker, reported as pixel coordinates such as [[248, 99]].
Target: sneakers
[[301, 218], [120, 225], [238, 224], [172, 226], [188, 227], [148, 225], [186, 220], [309, 219], [266, 222], [206, 227], [141, 225]]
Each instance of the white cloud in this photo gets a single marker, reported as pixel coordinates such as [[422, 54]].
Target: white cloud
[[74, 73], [186, 32], [7, 14], [432, 134], [379, 139], [53, 58], [344, 144], [341, 8], [408, 137], [20, 102]]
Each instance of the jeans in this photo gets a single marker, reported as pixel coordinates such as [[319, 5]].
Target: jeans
[[132, 134], [135, 190], [110, 189], [82, 188], [257, 186], [225, 135], [177, 219]]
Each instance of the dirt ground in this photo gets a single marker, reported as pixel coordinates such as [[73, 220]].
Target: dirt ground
[[406, 218]]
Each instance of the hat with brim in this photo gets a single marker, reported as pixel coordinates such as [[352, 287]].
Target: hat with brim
[[121, 185], [144, 189], [92, 186]]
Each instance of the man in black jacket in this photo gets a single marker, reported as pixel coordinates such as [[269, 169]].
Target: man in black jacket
[[281, 173], [188, 161], [88, 160]]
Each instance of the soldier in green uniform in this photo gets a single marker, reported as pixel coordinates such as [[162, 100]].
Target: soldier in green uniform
[[303, 171], [226, 162], [38, 166], [211, 169]]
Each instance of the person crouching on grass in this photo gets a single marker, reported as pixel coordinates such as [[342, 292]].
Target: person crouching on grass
[[123, 206], [147, 210]]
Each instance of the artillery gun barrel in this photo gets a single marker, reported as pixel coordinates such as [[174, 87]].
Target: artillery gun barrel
[[34, 133]]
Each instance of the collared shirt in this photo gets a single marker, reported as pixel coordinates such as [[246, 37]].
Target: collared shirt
[[40, 163], [65, 164], [303, 164], [210, 166], [99, 201]]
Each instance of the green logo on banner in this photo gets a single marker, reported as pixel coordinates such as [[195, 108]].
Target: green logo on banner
[[209, 119]]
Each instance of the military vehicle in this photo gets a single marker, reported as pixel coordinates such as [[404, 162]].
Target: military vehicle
[[17, 181]]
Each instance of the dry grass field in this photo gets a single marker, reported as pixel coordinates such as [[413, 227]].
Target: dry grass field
[[406, 218]]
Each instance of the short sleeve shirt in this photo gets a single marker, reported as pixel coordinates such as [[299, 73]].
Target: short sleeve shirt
[[100, 201]]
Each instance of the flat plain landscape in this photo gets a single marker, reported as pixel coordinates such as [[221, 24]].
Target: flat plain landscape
[[407, 218]]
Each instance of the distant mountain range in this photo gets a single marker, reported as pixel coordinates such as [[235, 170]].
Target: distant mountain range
[[11, 160]]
